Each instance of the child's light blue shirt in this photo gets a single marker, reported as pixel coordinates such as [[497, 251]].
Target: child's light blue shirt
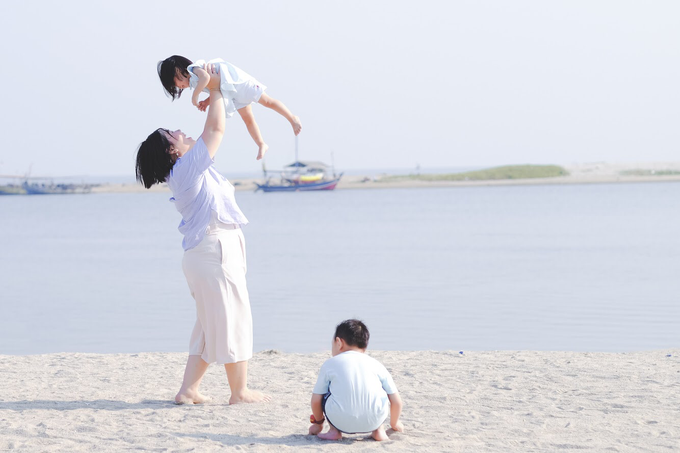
[[359, 386], [198, 190]]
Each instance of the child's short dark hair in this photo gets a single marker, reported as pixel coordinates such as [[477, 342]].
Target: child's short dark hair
[[354, 332], [167, 70]]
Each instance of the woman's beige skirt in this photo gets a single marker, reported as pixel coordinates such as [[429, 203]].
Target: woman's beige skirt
[[216, 273]]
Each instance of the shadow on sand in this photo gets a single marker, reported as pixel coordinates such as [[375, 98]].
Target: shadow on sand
[[107, 405], [291, 440]]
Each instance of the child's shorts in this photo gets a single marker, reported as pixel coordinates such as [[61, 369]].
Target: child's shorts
[[248, 92], [323, 408]]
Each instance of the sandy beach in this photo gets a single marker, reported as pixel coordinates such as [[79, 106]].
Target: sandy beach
[[476, 401]]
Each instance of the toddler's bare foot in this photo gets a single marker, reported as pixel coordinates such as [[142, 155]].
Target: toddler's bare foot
[[380, 434], [191, 398], [249, 396], [332, 434], [297, 125], [262, 151]]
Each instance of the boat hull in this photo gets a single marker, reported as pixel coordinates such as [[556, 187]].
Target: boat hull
[[323, 185]]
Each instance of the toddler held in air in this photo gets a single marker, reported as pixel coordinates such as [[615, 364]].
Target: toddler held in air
[[354, 392], [239, 91]]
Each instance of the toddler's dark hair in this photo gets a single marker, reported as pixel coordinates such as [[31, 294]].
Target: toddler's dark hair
[[167, 70], [354, 332]]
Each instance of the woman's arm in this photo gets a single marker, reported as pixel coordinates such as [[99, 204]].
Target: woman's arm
[[214, 124]]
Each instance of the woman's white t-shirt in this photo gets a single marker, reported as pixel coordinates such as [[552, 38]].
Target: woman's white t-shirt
[[198, 190]]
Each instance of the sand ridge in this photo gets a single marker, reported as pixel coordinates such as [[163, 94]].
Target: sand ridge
[[476, 401]]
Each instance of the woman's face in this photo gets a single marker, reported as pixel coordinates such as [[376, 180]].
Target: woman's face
[[179, 142]]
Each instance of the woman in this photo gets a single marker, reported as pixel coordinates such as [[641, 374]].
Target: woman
[[214, 260]]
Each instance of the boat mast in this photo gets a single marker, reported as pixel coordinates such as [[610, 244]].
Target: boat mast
[[297, 162], [333, 163]]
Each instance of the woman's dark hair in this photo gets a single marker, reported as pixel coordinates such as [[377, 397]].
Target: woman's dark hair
[[354, 332], [154, 162], [167, 70]]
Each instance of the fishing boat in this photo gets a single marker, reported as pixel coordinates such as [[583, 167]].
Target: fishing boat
[[39, 185], [300, 176]]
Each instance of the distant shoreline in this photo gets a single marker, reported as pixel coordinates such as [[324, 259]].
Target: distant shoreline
[[593, 173]]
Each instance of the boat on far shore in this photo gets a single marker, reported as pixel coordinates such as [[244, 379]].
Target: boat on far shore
[[56, 189], [300, 176], [41, 188]]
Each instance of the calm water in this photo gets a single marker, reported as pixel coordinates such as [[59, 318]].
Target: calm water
[[579, 268]]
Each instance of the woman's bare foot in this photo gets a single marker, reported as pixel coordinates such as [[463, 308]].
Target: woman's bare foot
[[191, 398], [380, 434], [332, 434], [262, 151], [249, 396], [297, 125]]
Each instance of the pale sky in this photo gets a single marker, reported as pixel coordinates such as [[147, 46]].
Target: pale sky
[[381, 84]]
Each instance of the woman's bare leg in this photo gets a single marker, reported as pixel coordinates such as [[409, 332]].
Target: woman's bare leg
[[281, 109], [193, 373], [237, 375], [254, 130]]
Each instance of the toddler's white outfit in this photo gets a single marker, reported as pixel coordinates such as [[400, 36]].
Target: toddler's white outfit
[[239, 89]]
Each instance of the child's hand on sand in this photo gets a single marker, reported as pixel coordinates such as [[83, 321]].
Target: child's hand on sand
[[315, 429], [399, 426], [203, 105]]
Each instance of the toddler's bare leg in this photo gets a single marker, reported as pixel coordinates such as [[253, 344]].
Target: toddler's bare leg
[[332, 434], [379, 434], [237, 375], [254, 130], [280, 108], [193, 373]]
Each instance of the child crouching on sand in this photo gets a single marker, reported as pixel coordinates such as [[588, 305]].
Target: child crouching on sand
[[354, 392]]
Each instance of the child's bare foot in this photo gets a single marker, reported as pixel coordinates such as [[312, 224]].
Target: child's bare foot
[[297, 125], [262, 151], [191, 398], [249, 396], [380, 434], [332, 434]]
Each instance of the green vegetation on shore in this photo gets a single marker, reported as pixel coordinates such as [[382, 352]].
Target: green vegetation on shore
[[641, 172], [505, 172]]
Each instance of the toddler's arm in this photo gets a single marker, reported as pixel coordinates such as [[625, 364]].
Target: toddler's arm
[[317, 411], [395, 412], [204, 104], [203, 79]]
